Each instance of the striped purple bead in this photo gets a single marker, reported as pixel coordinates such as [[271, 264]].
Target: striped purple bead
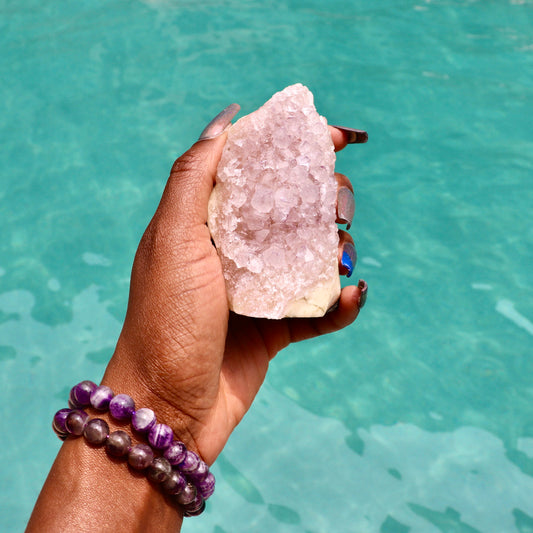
[[143, 420], [58, 424], [189, 463], [160, 436], [206, 487], [101, 396], [199, 473], [175, 453], [121, 407], [80, 394]]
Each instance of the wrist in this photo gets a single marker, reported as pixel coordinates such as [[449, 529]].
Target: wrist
[[128, 374], [181, 475]]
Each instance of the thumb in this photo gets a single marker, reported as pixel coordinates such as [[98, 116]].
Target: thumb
[[192, 176]]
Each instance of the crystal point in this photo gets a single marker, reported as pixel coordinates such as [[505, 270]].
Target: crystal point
[[272, 210]]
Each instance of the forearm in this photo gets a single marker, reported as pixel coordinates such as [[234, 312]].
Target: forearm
[[88, 491]]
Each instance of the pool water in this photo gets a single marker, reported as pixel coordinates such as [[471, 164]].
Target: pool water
[[418, 417]]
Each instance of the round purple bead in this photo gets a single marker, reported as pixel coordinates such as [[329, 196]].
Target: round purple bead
[[121, 407], [96, 431], [101, 396], [75, 422], [187, 495], [175, 453], [159, 470], [143, 420], [199, 474], [206, 487], [58, 423], [118, 443], [195, 508], [140, 456], [80, 394], [189, 463], [161, 436], [175, 483]]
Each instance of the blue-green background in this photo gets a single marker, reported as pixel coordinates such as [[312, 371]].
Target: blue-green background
[[417, 418]]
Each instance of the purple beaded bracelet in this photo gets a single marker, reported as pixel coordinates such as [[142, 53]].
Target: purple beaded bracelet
[[181, 473]]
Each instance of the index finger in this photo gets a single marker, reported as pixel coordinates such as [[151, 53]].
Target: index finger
[[342, 136]]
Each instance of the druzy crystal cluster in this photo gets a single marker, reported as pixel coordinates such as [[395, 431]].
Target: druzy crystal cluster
[[272, 210]]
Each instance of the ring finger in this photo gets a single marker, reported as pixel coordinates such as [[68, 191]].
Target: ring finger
[[347, 254]]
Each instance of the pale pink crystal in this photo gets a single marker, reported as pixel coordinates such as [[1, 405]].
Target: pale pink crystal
[[272, 211]]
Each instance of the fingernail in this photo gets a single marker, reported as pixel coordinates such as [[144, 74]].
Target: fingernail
[[363, 289], [348, 258], [219, 124], [354, 136], [345, 206]]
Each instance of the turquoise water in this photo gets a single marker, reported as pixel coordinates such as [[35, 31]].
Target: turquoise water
[[419, 417]]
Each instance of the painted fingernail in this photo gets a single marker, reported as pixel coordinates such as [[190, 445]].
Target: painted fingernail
[[345, 206], [363, 289], [354, 136], [219, 124], [348, 258]]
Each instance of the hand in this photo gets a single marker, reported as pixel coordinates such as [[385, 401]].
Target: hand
[[181, 352]]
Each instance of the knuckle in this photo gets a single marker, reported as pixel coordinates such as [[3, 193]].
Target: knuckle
[[187, 163]]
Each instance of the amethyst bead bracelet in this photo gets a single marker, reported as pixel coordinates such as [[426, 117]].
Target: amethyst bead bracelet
[[180, 473]]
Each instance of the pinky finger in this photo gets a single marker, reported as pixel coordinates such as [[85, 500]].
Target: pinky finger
[[351, 301], [342, 314]]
